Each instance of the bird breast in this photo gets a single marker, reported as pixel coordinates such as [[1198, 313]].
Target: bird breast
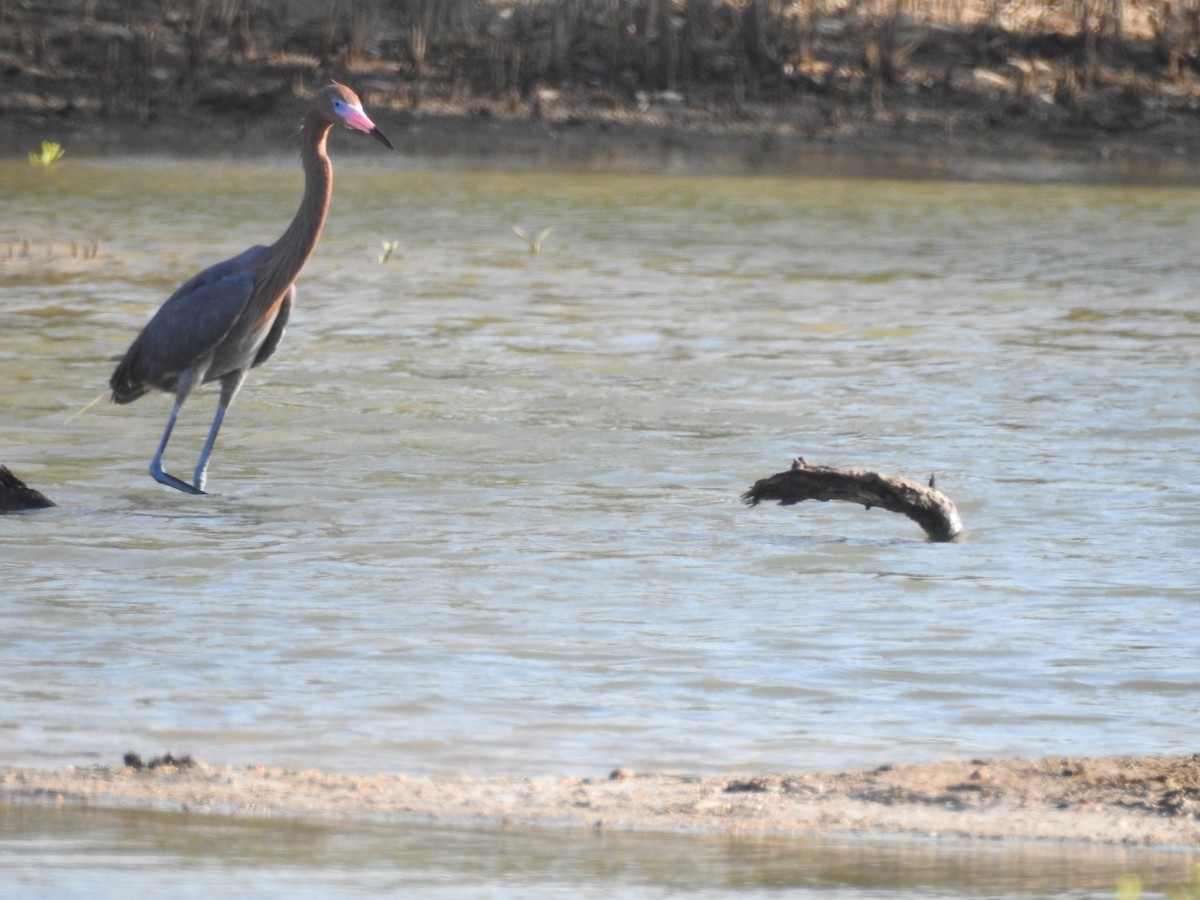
[[243, 342]]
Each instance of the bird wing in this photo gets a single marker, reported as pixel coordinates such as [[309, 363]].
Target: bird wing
[[275, 335], [187, 327], [207, 305]]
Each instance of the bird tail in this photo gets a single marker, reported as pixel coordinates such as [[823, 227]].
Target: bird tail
[[126, 387]]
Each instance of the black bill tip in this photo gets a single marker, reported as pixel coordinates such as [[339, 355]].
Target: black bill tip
[[382, 138]]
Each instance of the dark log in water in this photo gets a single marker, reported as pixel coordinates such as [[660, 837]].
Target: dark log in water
[[16, 495], [927, 506]]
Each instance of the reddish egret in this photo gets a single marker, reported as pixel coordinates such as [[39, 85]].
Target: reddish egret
[[229, 318]]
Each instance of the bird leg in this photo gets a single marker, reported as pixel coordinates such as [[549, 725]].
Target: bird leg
[[230, 385], [156, 469], [183, 387], [201, 474]]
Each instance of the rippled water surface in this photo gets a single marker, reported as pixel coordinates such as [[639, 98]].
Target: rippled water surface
[[95, 855], [480, 513]]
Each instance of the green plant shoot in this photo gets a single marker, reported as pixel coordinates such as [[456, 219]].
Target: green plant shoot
[[535, 243], [51, 153]]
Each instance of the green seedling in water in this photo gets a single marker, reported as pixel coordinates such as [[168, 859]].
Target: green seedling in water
[[389, 248], [535, 243], [51, 153]]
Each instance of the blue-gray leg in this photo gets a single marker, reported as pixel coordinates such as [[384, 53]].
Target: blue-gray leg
[[201, 474], [230, 385], [156, 469], [182, 390]]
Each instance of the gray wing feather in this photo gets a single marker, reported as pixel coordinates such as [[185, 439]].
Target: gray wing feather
[[187, 327]]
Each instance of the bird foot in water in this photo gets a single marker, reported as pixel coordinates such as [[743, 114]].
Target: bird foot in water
[[170, 480]]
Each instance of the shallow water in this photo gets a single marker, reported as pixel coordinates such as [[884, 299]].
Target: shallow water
[[480, 513], [99, 854]]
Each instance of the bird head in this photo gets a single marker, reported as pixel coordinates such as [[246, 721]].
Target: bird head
[[342, 106]]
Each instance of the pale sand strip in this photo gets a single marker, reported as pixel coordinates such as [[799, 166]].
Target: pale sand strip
[[1129, 800]]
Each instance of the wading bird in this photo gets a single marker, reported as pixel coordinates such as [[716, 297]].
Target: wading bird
[[230, 318]]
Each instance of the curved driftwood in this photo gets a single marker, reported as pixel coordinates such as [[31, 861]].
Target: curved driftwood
[[927, 506], [16, 495]]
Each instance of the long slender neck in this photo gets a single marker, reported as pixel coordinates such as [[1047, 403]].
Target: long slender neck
[[288, 255]]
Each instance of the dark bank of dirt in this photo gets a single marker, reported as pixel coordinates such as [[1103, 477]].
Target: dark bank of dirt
[[1120, 800], [763, 86]]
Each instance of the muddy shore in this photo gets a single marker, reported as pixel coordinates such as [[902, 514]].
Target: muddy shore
[[450, 140], [965, 96], [1140, 801], [949, 143]]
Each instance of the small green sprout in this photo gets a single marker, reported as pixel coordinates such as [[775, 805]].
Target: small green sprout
[[51, 153], [535, 243]]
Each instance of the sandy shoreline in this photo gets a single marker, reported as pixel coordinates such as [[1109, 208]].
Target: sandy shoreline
[[1142, 801]]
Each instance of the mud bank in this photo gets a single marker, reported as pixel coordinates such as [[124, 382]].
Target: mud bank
[[1118, 800]]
